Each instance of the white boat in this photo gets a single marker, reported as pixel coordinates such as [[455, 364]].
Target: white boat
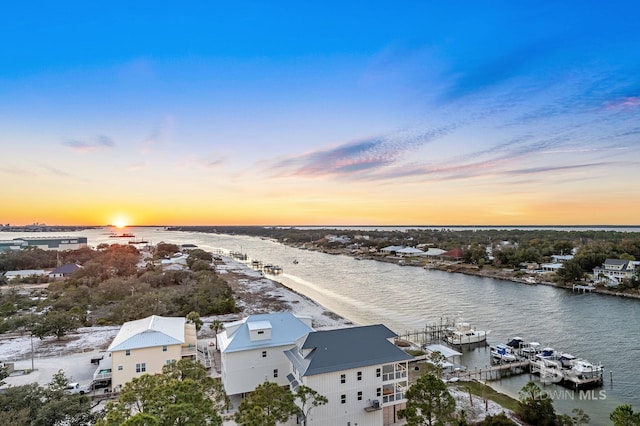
[[547, 353], [464, 334], [583, 369], [503, 353]]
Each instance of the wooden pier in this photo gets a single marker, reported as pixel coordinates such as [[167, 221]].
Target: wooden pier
[[493, 372]]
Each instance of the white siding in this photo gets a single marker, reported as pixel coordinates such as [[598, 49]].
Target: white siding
[[242, 371]]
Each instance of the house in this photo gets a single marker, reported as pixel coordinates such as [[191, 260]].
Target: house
[[391, 249], [146, 345], [25, 273], [64, 270], [361, 372], [613, 271], [410, 251], [455, 255], [252, 349]]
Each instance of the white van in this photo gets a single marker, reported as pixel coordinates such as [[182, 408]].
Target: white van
[[77, 388]]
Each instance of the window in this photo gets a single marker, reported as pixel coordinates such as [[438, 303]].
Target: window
[[141, 368], [378, 392], [377, 372], [164, 348], [359, 375], [343, 398], [343, 378], [264, 354], [170, 361], [360, 396], [127, 352], [260, 331], [120, 368]]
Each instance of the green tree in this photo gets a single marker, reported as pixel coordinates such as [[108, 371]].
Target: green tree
[[182, 395], [623, 415], [194, 318], [570, 272], [428, 402], [199, 255], [267, 405], [535, 407], [497, 420], [55, 323], [33, 405], [308, 399]]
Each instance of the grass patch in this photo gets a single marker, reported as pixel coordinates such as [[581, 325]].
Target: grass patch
[[484, 391]]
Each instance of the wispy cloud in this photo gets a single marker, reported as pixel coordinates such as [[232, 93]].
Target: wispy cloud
[[137, 167], [367, 155], [101, 142], [210, 162], [158, 135], [629, 102]]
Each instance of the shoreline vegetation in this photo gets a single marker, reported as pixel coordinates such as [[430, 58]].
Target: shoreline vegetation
[[535, 246]]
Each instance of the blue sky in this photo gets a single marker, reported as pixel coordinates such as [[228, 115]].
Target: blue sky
[[329, 113]]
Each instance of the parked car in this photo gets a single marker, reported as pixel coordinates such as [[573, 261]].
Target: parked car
[[77, 388]]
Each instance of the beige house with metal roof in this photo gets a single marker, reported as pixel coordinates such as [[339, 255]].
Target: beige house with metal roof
[[147, 345]]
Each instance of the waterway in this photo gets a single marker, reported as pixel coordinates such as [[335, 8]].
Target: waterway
[[596, 327]]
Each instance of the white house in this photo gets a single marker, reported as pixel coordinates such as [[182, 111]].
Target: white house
[[613, 271], [25, 273], [391, 249], [361, 372], [64, 270], [252, 349], [410, 251]]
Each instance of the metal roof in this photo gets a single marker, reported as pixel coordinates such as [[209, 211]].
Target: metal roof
[[285, 328], [149, 332], [346, 348]]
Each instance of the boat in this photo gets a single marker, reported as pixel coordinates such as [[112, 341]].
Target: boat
[[547, 353], [464, 334], [138, 242], [502, 353], [125, 235]]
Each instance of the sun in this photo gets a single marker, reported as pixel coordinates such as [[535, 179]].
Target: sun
[[120, 221]]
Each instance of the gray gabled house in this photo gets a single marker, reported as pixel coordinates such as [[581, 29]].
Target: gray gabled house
[[363, 374]]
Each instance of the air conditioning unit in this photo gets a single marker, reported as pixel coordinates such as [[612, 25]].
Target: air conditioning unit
[[375, 403]]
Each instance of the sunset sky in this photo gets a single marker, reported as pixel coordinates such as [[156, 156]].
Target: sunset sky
[[293, 113]]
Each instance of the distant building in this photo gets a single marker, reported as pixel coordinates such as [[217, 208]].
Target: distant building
[[64, 270], [44, 243], [391, 249], [147, 345], [25, 273], [361, 372], [613, 271], [252, 349]]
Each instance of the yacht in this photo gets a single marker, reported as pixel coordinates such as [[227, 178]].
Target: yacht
[[502, 352], [464, 334]]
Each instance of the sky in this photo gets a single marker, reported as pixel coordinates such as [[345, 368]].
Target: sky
[[318, 113]]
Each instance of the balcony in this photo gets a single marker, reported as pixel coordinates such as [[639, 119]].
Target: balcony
[[188, 351], [102, 375]]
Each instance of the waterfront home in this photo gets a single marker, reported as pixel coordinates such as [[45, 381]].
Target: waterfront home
[[613, 271], [390, 250], [359, 369], [252, 349], [410, 251], [146, 345]]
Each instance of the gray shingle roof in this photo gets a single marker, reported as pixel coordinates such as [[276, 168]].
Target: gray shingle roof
[[346, 348]]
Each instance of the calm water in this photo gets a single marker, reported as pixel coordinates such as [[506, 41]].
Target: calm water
[[596, 327]]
